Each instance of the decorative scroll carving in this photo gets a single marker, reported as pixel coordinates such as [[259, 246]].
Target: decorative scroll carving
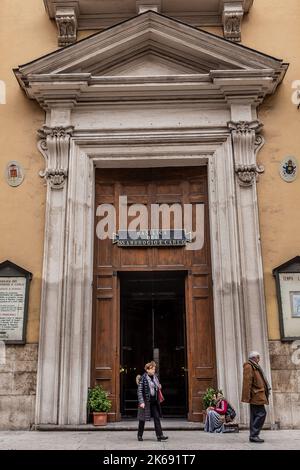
[[246, 144], [67, 26], [54, 144]]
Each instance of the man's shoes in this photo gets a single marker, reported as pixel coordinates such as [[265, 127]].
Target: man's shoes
[[162, 438], [256, 439], [140, 438]]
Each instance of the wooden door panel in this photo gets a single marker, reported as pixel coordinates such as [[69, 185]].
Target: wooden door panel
[[164, 258], [105, 331], [104, 254], [134, 257], [201, 343]]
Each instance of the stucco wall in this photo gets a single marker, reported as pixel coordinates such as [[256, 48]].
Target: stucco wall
[[25, 33], [273, 28]]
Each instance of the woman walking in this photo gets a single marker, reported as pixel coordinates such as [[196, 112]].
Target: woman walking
[[149, 390]]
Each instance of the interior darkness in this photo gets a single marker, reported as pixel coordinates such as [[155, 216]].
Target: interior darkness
[[153, 327]]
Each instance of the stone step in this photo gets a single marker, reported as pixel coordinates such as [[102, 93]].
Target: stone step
[[125, 425]]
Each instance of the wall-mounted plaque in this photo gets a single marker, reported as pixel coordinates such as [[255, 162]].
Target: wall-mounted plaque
[[14, 174], [289, 169], [14, 292], [288, 294]]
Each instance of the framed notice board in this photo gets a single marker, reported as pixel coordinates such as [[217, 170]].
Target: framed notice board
[[14, 294], [288, 296]]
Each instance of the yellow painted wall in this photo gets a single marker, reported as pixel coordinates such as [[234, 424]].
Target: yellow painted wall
[[26, 33], [272, 27]]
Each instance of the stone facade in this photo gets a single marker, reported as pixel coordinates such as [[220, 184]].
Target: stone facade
[[285, 384], [18, 386], [245, 289]]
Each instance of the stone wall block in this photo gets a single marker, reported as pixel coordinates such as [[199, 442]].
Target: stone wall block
[[24, 383]]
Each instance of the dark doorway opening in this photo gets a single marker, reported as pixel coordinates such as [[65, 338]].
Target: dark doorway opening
[[153, 327]]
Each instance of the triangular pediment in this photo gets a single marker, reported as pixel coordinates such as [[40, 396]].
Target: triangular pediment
[[149, 64], [152, 45], [154, 33]]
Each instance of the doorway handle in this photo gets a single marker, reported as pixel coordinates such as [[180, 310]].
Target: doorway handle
[[122, 369]]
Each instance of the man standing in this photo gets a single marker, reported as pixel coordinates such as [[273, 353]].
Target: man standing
[[256, 391]]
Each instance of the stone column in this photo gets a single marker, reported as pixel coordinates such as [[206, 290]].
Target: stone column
[[246, 142], [54, 144]]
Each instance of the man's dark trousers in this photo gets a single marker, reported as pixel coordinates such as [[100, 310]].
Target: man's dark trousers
[[257, 419]]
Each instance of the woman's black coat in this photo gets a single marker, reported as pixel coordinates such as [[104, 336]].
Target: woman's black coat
[[144, 414]]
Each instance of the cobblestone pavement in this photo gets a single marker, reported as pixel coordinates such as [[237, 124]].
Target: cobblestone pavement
[[126, 440]]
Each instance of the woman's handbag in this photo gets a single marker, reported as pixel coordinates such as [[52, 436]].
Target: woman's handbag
[[160, 396]]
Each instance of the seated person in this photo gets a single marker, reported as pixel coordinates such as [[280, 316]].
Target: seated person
[[215, 415]]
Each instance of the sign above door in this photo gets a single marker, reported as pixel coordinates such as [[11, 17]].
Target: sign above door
[[155, 238]]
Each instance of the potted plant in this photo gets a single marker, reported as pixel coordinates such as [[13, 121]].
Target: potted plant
[[99, 404], [209, 399]]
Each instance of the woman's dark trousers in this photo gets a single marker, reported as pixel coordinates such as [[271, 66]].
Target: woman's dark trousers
[[155, 414], [257, 419]]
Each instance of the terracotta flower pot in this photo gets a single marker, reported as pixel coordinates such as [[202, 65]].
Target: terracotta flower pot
[[99, 419]]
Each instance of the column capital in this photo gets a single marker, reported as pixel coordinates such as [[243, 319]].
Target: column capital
[[244, 127], [54, 145], [246, 143]]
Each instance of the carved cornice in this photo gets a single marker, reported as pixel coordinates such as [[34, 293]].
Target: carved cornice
[[246, 144], [232, 73], [54, 145]]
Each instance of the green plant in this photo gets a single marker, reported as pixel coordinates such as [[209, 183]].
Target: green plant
[[209, 398], [98, 400]]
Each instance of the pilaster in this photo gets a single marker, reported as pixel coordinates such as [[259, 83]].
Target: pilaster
[[246, 142], [55, 146]]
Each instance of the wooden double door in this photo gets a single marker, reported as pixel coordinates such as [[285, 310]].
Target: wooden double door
[[126, 311]]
